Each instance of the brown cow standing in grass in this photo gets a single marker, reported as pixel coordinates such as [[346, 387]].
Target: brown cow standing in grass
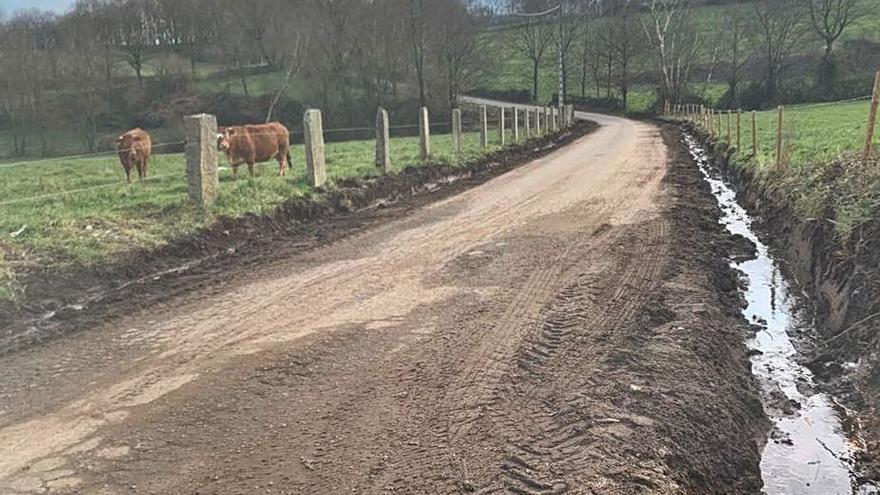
[[134, 148], [251, 144]]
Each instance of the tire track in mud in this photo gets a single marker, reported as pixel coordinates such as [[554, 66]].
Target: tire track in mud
[[555, 436]]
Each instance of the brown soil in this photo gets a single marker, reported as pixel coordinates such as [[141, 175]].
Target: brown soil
[[842, 280], [571, 326]]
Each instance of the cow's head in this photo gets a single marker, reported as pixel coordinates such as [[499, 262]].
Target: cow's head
[[125, 145], [224, 137]]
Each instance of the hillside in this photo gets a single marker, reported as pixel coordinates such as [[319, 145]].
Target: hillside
[[858, 53]]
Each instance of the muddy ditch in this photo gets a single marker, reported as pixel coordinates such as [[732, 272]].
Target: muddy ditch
[[57, 303], [802, 301]]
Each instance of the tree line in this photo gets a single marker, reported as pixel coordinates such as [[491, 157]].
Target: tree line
[[105, 64], [677, 48], [108, 65]]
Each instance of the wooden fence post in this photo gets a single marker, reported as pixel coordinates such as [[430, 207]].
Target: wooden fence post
[[729, 134], [456, 131], [201, 158], [424, 134], [502, 131], [779, 118], [313, 128], [712, 122], [872, 116], [515, 124], [484, 127], [739, 114], [754, 135], [383, 141], [537, 121]]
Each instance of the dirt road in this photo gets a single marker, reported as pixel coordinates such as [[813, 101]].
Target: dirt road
[[569, 326]]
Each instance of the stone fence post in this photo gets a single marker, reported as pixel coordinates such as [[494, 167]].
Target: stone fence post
[[424, 134], [484, 128], [456, 131], [515, 124], [383, 141], [528, 124], [313, 128], [502, 131], [201, 158]]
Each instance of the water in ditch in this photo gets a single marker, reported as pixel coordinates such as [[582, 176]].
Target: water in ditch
[[808, 452]]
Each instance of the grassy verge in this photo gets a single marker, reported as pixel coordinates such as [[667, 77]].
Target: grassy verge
[[79, 212], [825, 178]]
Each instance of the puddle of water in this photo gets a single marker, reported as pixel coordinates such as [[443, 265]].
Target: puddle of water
[[808, 452]]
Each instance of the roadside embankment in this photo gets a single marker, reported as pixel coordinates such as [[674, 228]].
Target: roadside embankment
[[823, 220]]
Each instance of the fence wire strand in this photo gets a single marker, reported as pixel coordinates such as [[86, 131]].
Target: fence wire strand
[[70, 192]]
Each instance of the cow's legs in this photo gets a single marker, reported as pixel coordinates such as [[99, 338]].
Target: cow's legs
[[235, 172], [282, 165], [128, 174], [251, 169], [146, 167], [141, 169]]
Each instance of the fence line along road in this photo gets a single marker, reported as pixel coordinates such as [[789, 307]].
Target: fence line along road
[[705, 118], [203, 167]]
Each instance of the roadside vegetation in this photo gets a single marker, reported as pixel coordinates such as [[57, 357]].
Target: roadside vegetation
[[824, 176], [102, 216]]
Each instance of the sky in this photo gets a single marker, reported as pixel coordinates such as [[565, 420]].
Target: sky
[[10, 6]]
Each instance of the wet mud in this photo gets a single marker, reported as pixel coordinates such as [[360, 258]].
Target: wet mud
[[810, 450]]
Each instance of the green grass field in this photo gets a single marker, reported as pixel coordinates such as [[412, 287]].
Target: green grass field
[[824, 171], [812, 133], [77, 212]]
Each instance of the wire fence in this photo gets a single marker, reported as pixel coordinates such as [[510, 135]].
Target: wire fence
[[791, 136], [66, 177]]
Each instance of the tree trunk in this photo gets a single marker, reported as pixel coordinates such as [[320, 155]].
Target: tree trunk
[[534, 81]]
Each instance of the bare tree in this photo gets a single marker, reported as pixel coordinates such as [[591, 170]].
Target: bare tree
[[734, 42], [532, 41], [83, 48], [625, 42], [294, 62], [676, 43], [574, 13], [456, 46], [781, 27], [418, 33], [829, 19], [134, 32]]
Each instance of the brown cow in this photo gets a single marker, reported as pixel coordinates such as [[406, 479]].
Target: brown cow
[[134, 148], [251, 144]]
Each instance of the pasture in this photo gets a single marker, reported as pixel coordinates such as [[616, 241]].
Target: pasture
[[812, 133], [825, 176], [80, 211]]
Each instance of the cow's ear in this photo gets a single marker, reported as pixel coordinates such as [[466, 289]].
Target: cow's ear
[[230, 131], [119, 139]]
